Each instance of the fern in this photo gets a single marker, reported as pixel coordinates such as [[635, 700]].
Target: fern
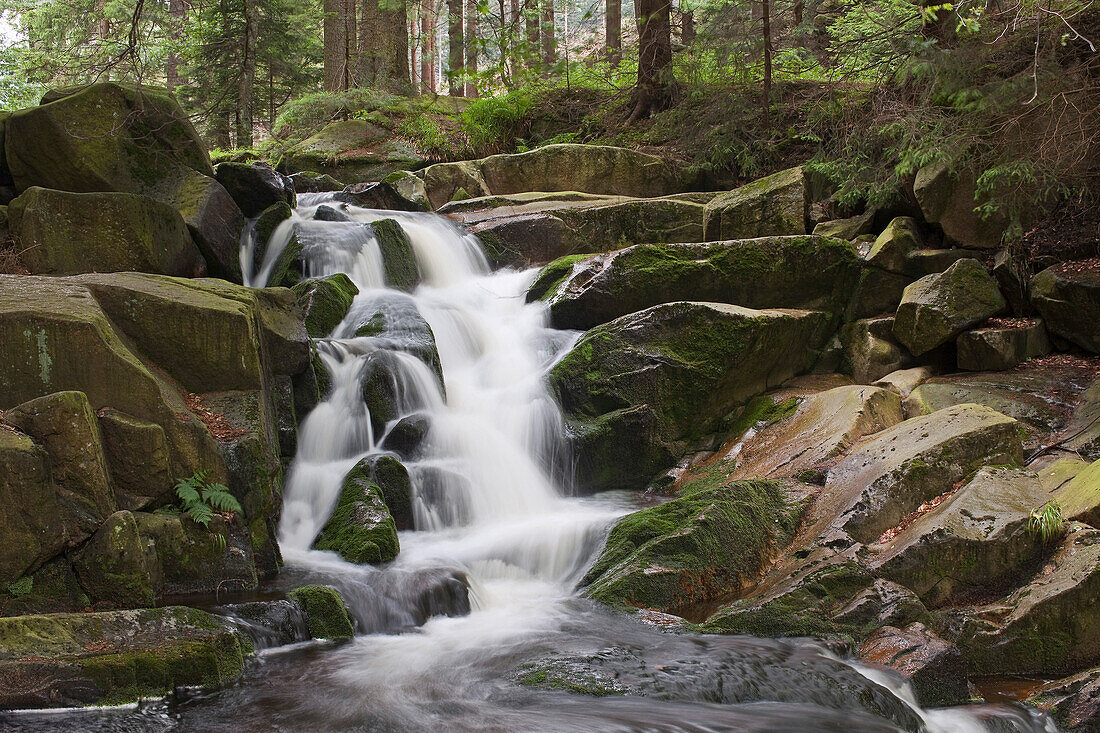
[[219, 498], [1046, 522], [200, 499]]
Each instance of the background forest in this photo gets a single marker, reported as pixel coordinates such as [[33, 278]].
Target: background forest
[[868, 91]]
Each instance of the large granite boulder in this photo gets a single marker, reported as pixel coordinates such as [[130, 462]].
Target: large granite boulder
[[27, 538], [353, 151], [1067, 295], [255, 186], [934, 668], [63, 233], [116, 567], [325, 301], [996, 348], [773, 206], [882, 479], [939, 307], [949, 198], [637, 389], [1043, 627], [326, 614], [778, 272], [117, 657], [710, 541], [870, 350], [900, 238], [598, 169]]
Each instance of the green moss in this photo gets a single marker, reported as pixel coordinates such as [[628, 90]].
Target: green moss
[[361, 528], [398, 257], [552, 276], [712, 540], [326, 615], [325, 302]]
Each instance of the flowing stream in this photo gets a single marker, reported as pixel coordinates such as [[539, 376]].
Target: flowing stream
[[492, 509]]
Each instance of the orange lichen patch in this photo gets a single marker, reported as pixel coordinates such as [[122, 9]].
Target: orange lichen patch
[[218, 425], [917, 514]]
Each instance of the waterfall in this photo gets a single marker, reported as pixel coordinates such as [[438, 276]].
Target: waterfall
[[490, 481]]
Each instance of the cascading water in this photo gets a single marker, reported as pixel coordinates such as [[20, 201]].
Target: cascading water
[[491, 508]]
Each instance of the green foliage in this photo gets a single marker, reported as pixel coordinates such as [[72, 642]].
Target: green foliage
[[490, 121], [1046, 523], [21, 587], [200, 499]]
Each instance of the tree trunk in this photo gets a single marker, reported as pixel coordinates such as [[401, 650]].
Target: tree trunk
[[471, 48], [531, 18], [455, 49], [613, 31], [247, 78], [656, 89], [219, 130], [687, 27], [766, 17], [427, 47], [546, 34], [383, 46], [177, 15], [336, 45]]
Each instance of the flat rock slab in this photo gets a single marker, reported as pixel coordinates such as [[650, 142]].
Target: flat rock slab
[[1068, 297], [887, 476], [109, 658], [809, 272], [824, 425], [976, 542], [1044, 626], [996, 347]]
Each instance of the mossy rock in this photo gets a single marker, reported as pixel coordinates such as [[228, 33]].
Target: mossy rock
[[443, 182], [191, 558], [27, 538], [937, 308], [325, 301], [214, 220], [892, 248], [105, 137], [116, 566], [326, 615], [53, 588], [353, 151], [117, 657], [254, 186], [870, 350], [411, 188], [360, 529], [139, 460], [672, 371], [1069, 302], [286, 267], [998, 349], [65, 425], [776, 272], [773, 206], [710, 541], [850, 228], [398, 258], [949, 198], [63, 233]]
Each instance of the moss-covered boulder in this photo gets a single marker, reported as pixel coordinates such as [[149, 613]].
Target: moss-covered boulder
[[709, 542], [850, 228], [65, 425], [353, 151], [975, 543], [886, 477], [937, 308], [948, 198], [192, 559], [326, 615], [139, 460], [635, 389], [392, 479], [61, 233], [254, 186], [325, 301], [271, 267], [996, 348], [877, 293], [27, 538], [116, 566], [599, 169], [214, 220], [1067, 295], [823, 426], [892, 248], [361, 529], [399, 264], [410, 187], [772, 206], [870, 351], [394, 321], [528, 229], [1077, 489], [105, 137], [1044, 627], [110, 658], [443, 182], [313, 182], [52, 588], [778, 272]]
